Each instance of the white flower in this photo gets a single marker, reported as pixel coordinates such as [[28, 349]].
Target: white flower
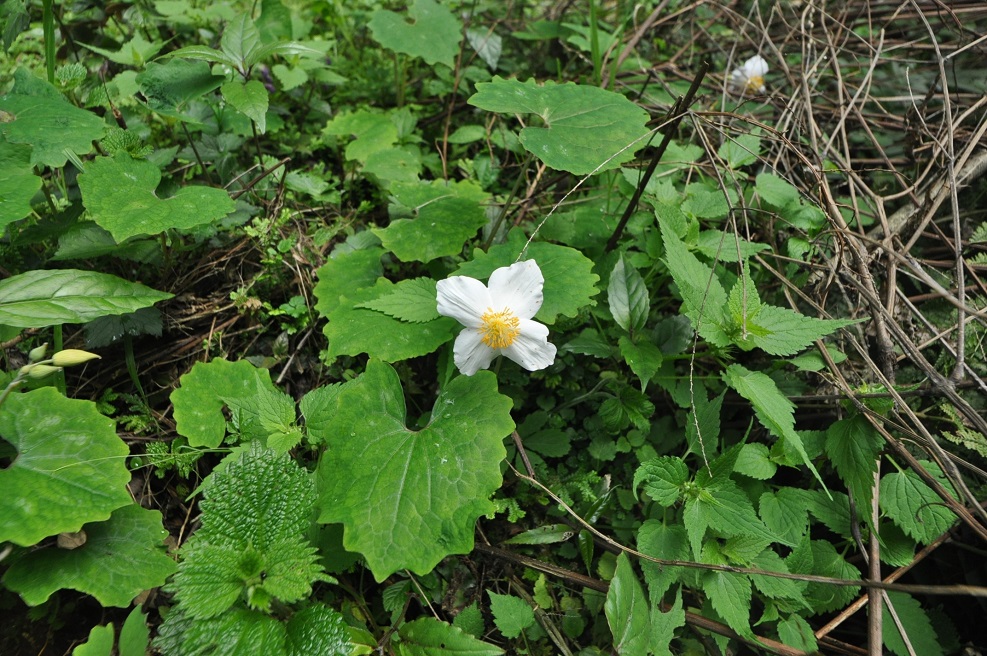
[[497, 317], [749, 78]]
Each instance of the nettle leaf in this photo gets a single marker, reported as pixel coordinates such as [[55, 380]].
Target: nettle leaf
[[730, 595], [704, 300], [409, 498], [318, 629], [271, 413], [122, 556], [352, 329], [570, 283], [775, 587], [134, 634], [627, 610], [446, 215], [18, 182], [664, 625], [914, 506], [754, 461], [780, 331], [785, 515], [43, 119], [726, 509], [345, 273], [37, 299], [918, 628], [820, 557], [727, 247], [776, 191], [412, 301], [511, 614], [203, 392], [663, 478], [169, 88], [250, 98], [852, 445], [135, 52], [589, 129], [430, 637], [795, 632], [643, 358], [241, 632], [741, 150], [119, 193], [318, 407], [628, 297], [426, 29], [773, 409], [662, 541], [70, 467]]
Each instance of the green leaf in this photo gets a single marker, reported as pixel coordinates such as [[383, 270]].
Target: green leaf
[[662, 541], [628, 297], [550, 534], [832, 510], [470, 620], [241, 41], [723, 247], [704, 300], [318, 629], [248, 98], [663, 478], [589, 129], [773, 409], [824, 560], [730, 595], [374, 132], [627, 610], [754, 461], [206, 54], [17, 182], [70, 467], [795, 632], [914, 506], [664, 625], [203, 392], [853, 445], [100, 642], [570, 282], [412, 301], [780, 331], [48, 123], [741, 150], [775, 587], [119, 193], [702, 424], [135, 52], [410, 498], [352, 329], [785, 515], [644, 358], [345, 273], [426, 29], [917, 627], [134, 634], [171, 87], [446, 215], [430, 637], [122, 556], [727, 510], [776, 191], [511, 614]]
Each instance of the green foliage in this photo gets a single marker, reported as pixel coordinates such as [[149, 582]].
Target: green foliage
[[429, 31], [511, 614], [627, 610], [18, 181]]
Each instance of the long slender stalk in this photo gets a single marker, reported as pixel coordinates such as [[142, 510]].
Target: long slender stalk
[[48, 26]]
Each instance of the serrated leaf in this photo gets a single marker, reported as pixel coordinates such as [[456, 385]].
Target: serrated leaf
[[353, 330], [122, 556], [832, 510], [203, 392], [48, 298], [725, 509], [664, 625], [776, 191], [628, 297], [824, 560], [570, 283], [131, 53], [627, 610], [241, 632], [785, 515], [427, 30], [773, 409], [70, 467], [318, 407], [741, 150], [18, 182], [318, 629], [430, 637], [730, 595], [119, 193], [914, 506], [470, 620], [589, 129], [853, 445], [780, 331], [772, 586], [702, 424], [511, 614], [169, 88], [917, 628], [754, 461], [249, 98], [668, 542], [409, 498], [704, 300], [550, 534], [663, 478], [726, 247], [49, 124], [643, 358], [241, 41], [447, 214], [344, 274], [795, 632]]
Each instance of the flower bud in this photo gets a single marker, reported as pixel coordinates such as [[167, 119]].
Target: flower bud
[[38, 353], [39, 370], [71, 357]]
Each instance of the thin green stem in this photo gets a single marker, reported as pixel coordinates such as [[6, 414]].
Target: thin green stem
[[48, 27]]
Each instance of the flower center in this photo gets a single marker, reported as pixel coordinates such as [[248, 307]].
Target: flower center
[[755, 83], [499, 329]]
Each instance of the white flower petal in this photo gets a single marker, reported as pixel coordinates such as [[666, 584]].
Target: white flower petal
[[470, 353], [531, 349], [518, 287], [756, 67], [463, 298]]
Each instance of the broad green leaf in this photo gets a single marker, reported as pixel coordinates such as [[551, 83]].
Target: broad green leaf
[[702, 424], [169, 88], [134, 634], [917, 627], [832, 510], [445, 215], [122, 556], [589, 129], [914, 506], [773, 409], [409, 498], [250, 99], [570, 283], [668, 542], [663, 479], [627, 610], [119, 193], [511, 614], [135, 52], [725, 509], [268, 415], [823, 559], [628, 297], [70, 467], [206, 54], [241, 632], [785, 515], [664, 624], [776, 191], [100, 642], [754, 461], [343, 274], [780, 331], [723, 246], [741, 150], [430, 637], [318, 407], [730, 595], [795, 632], [353, 329], [812, 359], [47, 122], [402, 164], [775, 587], [426, 29], [203, 391], [412, 301], [550, 534], [374, 132], [704, 300], [470, 619], [18, 184], [705, 200], [318, 629], [241, 41], [853, 445], [644, 358]]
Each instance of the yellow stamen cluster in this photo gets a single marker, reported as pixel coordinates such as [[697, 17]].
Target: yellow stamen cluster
[[499, 329]]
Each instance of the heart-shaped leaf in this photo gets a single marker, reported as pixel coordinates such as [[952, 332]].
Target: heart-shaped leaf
[[427, 30]]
